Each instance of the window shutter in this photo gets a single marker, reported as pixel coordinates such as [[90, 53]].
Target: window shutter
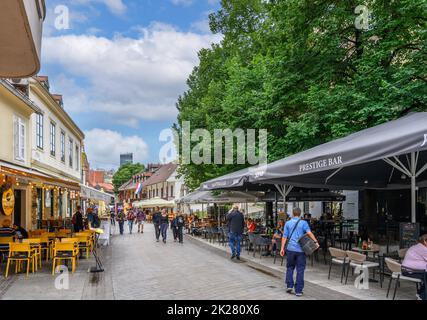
[[16, 137], [21, 139]]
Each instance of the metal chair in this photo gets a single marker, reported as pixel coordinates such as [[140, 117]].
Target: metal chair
[[396, 269], [339, 257]]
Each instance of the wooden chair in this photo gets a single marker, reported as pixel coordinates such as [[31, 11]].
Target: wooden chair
[[36, 246], [18, 253], [65, 251], [359, 260]]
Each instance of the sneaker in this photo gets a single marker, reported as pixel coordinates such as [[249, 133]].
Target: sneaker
[[299, 294], [232, 257], [238, 258], [289, 290], [418, 297], [158, 240]]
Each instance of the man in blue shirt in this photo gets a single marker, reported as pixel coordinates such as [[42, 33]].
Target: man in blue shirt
[[294, 230]]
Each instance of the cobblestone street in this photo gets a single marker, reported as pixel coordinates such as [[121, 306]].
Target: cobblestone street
[[137, 267]]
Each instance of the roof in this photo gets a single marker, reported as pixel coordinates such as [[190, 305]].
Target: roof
[[162, 174]]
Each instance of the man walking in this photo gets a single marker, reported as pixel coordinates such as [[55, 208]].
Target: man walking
[[156, 222], [294, 230], [236, 225], [121, 221], [77, 220], [164, 224], [131, 219]]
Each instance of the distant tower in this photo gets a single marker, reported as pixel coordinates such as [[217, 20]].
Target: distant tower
[[126, 158]]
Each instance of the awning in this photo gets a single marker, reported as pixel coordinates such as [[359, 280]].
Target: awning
[[155, 202], [391, 155], [93, 194], [223, 197], [21, 37], [33, 175]]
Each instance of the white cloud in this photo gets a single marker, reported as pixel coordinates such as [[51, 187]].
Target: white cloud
[[103, 147], [115, 6], [182, 2], [128, 78]]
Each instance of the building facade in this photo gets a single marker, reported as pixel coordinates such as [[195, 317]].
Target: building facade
[[126, 158]]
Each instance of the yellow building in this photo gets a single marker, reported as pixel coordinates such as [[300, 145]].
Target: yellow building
[[15, 157]]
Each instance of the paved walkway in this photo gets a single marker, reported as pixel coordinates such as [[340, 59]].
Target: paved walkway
[[137, 267]]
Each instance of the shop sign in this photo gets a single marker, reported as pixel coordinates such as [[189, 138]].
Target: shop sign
[[8, 202]]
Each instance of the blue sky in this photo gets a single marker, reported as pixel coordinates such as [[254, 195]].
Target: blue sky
[[121, 66]]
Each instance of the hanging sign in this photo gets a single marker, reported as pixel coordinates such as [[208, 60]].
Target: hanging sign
[[8, 202]]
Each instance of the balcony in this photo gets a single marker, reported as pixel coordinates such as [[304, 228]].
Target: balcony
[[21, 37]]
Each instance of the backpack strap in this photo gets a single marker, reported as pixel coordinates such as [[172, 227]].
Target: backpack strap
[[292, 233]]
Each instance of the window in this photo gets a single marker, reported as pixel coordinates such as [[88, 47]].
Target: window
[[77, 157], [161, 193], [62, 146], [19, 138], [171, 191], [70, 150], [52, 139], [39, 130]]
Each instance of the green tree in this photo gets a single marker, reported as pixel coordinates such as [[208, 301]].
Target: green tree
[[304, 70], [125, 173]]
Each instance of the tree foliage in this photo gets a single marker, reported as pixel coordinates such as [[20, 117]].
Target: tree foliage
[[125, 173], [302, 70]]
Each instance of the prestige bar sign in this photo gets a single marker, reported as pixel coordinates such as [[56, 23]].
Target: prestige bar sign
[[323, 163]]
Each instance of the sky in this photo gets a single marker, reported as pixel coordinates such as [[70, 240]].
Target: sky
[[121, 66]]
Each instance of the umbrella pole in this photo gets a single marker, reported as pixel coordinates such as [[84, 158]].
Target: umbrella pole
[[413, 188]]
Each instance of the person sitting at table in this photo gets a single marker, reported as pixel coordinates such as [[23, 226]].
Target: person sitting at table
[[6, 230], [251, 225], [20, 232], [414, 264], [278, 234]]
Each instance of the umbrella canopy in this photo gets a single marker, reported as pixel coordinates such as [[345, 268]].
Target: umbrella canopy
[[155, 202], [224, 197], [306, 195]]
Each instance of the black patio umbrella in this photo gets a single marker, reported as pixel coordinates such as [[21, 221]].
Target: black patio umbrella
[[392, 155]]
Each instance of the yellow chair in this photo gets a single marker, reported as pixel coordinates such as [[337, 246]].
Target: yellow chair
[[65, 251], [47, 245], [18, 253], [36, 246], [85, 243], [4, 245]]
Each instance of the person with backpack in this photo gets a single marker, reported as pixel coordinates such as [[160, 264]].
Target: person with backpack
[[294, 230], [77, 220], [131, 219]]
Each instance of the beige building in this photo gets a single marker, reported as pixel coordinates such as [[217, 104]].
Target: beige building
[[40, 155], [15, 156]]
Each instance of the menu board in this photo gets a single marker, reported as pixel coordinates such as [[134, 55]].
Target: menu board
[[409, 234]]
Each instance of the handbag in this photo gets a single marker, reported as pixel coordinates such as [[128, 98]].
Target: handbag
[[307, 244]]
